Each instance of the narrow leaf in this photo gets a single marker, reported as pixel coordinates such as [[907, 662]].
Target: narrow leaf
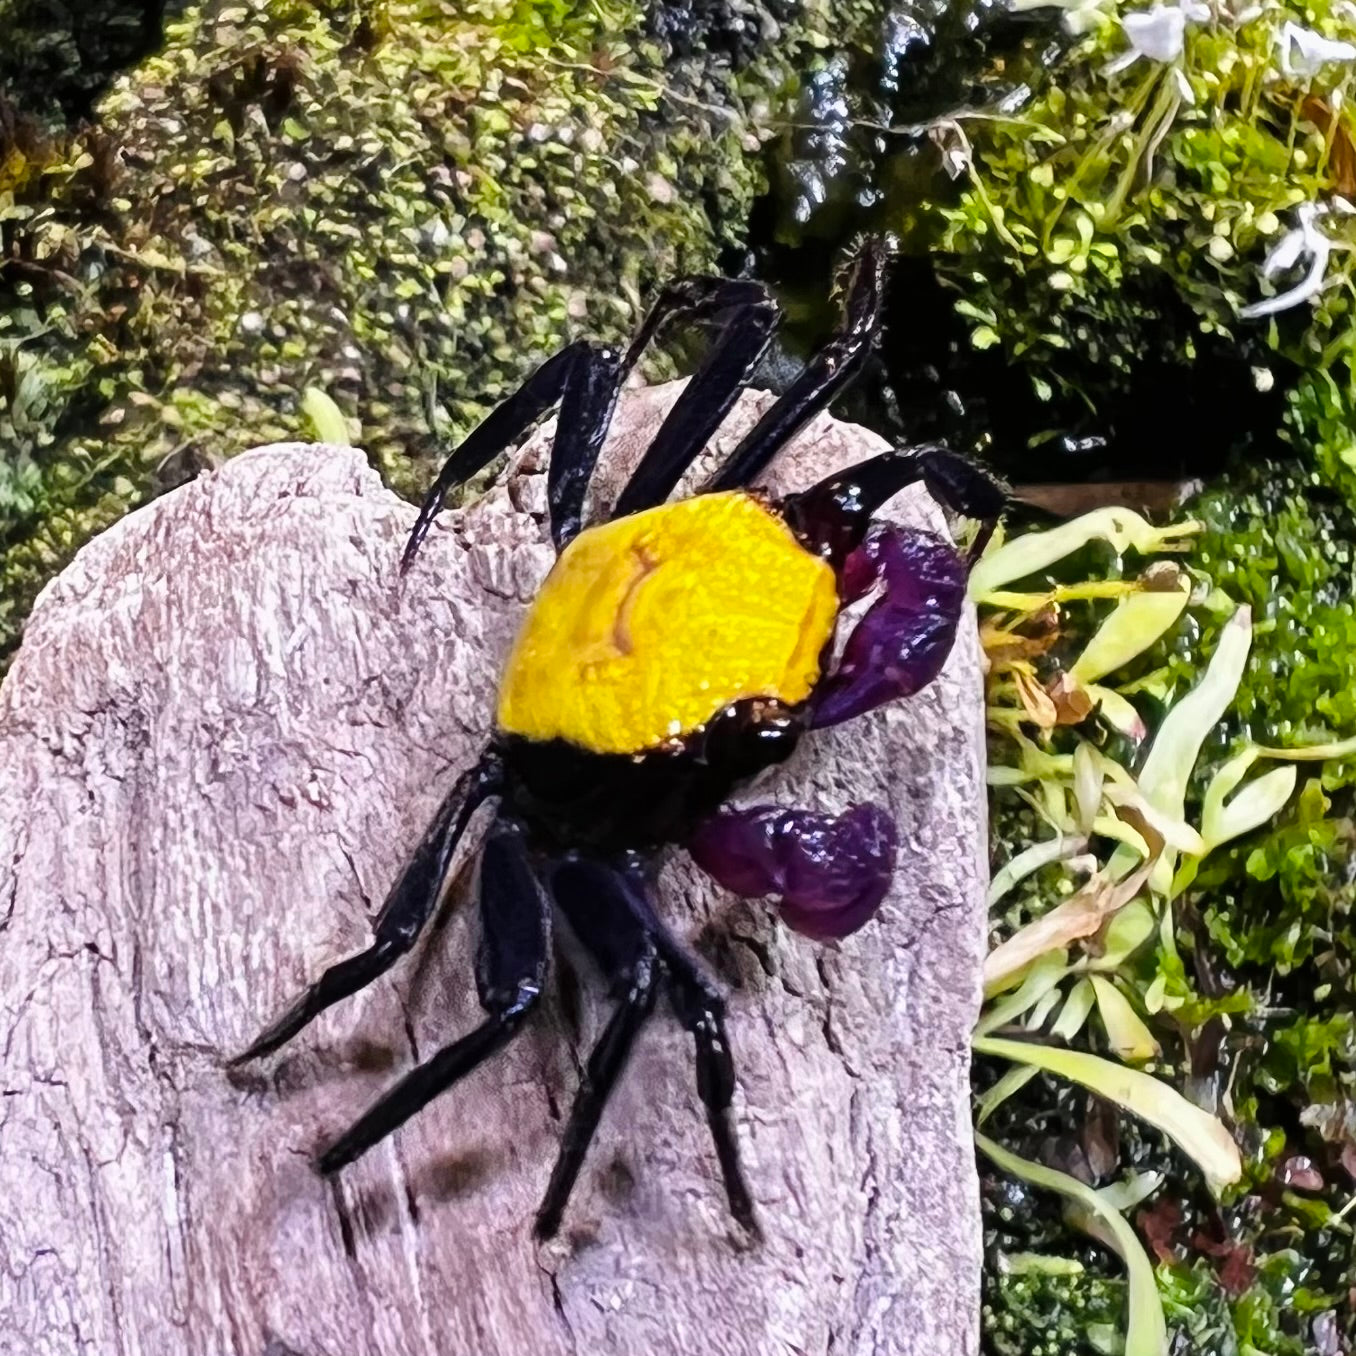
[[1079, 916], [1197, 1133], [1036, 551], [1118, 711], [326, 418], [1130, 1038], [1163, 780], [1075, 1012], [1251, 807], [1146, 1328], [1046, 971], [1135, 624], [1032, 859]]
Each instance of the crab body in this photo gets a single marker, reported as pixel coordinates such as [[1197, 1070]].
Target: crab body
[[672, 653], [654, 671]]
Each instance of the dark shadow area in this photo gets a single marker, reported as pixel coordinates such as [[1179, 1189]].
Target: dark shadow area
[[58, 57]]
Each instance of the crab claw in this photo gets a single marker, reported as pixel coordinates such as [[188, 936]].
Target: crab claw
[[901, 643], [830, 872]]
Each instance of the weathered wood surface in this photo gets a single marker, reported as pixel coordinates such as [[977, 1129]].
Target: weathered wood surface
[[228, 722]]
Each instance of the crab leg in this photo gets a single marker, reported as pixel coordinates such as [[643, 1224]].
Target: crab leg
[[587, 375], [706, 399], [511, 968], [403, 915], [585, 378], [610, 912], [832, 517], [822, 378], [588, 893]]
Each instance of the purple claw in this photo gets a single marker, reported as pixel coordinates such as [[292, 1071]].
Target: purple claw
[[830, 872], [901, 643]]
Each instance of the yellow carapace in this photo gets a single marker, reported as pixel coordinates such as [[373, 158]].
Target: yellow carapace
[[650, 624]]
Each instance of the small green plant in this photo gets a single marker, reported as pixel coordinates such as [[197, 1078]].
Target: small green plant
[[1205, 154], [1118, 832]]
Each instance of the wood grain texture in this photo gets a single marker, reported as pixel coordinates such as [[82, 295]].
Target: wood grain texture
[[227, 724]]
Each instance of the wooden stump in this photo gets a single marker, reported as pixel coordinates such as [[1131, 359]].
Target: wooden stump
[[228, 723]]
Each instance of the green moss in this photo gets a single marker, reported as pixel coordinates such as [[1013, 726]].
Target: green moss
[[403, 203], [1052, 1313], [1107, 206]]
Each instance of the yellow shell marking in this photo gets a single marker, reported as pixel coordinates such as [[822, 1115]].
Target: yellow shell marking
[[650, 625]]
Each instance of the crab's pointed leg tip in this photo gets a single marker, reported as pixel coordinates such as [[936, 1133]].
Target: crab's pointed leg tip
[[255, 1050]]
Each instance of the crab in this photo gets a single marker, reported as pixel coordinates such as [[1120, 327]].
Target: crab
[[673, 652]]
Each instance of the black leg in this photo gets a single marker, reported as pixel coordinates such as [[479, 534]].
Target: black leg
[[699, 298], [699, 1006], [822, 378], [590, 896], [511, 969], [698, 411], [403, 915], [606, 1061], [585, 380], [833, 516], [702, 407], [578, 367], [702, 1011], [585, 415]]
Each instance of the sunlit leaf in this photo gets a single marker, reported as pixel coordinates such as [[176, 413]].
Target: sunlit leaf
[[1036, 551], [1075, 1012], [1197, 1133], [1032, 859], [1079, 916], [1135, 624], [326, 418], [1129, 1037], [1118, 711], [1045, 971], [1146, 1331], [1226, 814]]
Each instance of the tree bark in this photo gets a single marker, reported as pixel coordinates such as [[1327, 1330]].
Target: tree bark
[[227, 725]]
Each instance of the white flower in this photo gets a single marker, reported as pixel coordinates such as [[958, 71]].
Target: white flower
[[1294, 245], [1159, 34], [1304, 52]]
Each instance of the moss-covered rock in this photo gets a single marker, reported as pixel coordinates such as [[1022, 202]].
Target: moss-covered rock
[[401, 202]]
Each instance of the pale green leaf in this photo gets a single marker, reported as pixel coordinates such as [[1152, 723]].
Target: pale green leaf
[[326, 418], [1201, 1136], [1046, 970], [1075, 1011], [1260, 799], [1129, 1037], [1035, 551], [1146, 1327], [1118, 711], [1134, 624]]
